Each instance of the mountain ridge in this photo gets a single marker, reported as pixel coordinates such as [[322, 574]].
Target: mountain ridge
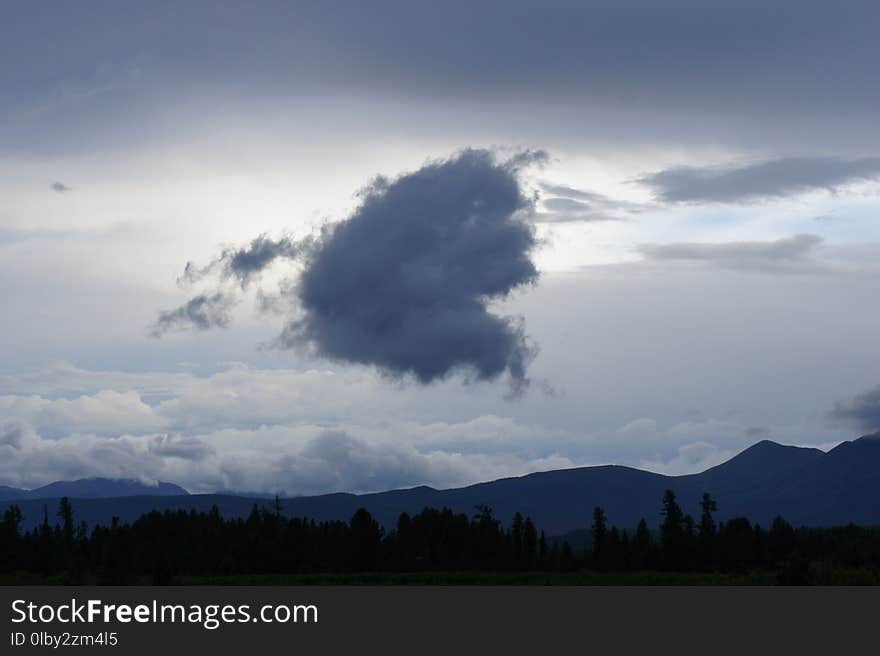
[[807, 486], [93, 488]]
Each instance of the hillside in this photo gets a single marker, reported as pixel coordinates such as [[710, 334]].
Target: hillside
[[93, 488], [807, 486]]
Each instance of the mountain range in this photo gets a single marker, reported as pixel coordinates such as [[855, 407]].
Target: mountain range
[[93, 488], [806, 486]]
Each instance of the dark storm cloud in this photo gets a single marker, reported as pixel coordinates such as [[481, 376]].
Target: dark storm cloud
[[786, 255], [763, 180], [243, 264], [59, 187], [405, 283], [862, 411], [202, 312]]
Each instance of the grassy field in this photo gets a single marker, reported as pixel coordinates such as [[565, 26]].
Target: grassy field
[[815, 574], [491, 578]]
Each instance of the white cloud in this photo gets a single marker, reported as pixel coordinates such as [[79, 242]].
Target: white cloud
[[107, 412], [292, 459], [245, 429], [690, 458]]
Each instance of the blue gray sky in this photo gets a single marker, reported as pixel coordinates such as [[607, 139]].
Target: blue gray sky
[[432, 243]]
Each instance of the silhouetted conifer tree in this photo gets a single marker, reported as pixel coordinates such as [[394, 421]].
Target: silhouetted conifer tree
[[781, 539], [599, 532], [516, 537], [530, 543], [672, 531], [366, 535]]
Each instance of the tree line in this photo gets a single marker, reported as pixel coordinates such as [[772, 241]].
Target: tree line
[[157, 547]]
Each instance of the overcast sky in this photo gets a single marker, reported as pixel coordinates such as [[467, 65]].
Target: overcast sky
[[432, 245]]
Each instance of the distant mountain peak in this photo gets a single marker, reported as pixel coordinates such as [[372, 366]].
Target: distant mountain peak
[[768, 445], [857, 449], [760, 462], [765, 447], [806, 485], [96, 488]]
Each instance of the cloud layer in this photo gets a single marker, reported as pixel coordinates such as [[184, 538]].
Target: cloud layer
[[563, 204], [311, 432], [786, 255], [762, 180]]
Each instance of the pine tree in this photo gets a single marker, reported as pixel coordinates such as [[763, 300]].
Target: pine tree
[[600, 535], [672, 531], [642, 539], [781, 539], [707, 523], [366, 535], [707, 530], [530, 543], [516, 536]]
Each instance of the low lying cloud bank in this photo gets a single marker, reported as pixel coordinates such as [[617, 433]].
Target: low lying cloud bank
[[288, 459], [287, 432], [297, 432]]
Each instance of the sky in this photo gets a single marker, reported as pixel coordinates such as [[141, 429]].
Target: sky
[[308, 247]]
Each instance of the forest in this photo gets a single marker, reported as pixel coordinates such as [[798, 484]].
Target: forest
[[432, 546]]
